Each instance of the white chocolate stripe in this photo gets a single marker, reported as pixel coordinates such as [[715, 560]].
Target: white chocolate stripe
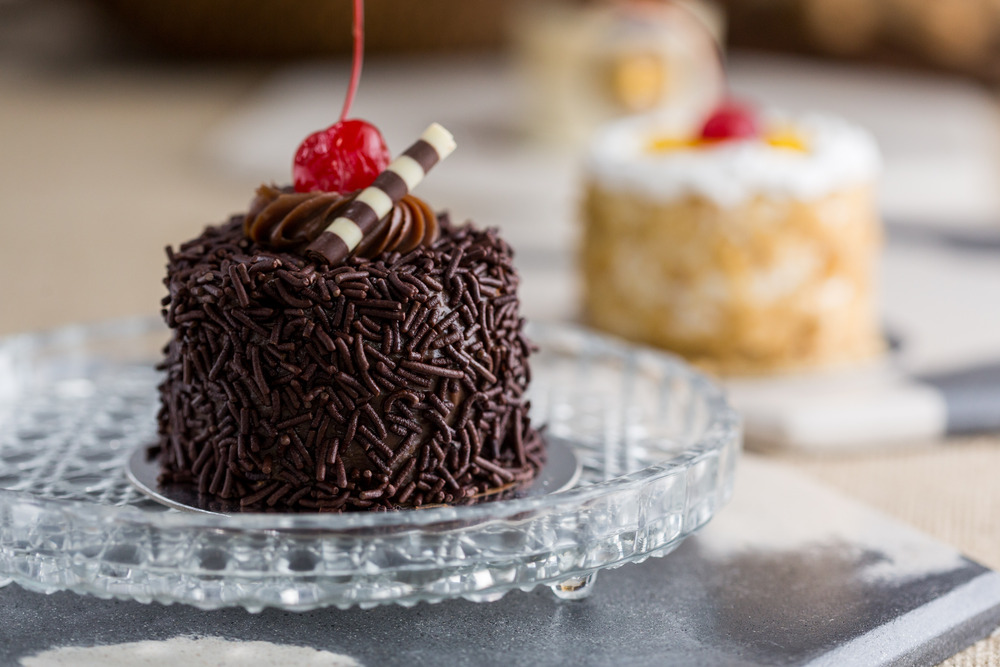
[[441, 139], [347, 230], [407, 169], [377, 199]]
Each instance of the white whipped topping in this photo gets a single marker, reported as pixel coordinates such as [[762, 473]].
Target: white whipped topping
[[839, 154]]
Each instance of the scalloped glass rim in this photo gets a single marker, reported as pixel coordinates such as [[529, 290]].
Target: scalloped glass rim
[[724, 423]]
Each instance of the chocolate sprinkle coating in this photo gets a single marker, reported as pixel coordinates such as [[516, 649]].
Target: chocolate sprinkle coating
[[376, 384]]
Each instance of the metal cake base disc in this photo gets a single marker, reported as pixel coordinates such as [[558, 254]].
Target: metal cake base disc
[[561, 472]]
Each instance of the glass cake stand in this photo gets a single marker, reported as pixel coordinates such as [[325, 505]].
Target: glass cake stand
[[657, 441]]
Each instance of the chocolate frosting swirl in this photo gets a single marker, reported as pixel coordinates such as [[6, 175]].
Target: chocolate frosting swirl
[[282, 218]]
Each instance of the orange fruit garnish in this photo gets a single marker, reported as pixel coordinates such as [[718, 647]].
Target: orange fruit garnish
[[787, 138], [665, 144]]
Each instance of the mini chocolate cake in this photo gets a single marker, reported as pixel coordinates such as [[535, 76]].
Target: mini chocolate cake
[[394, 379]]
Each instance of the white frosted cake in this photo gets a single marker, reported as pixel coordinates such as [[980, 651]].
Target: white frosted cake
[[747, 245]]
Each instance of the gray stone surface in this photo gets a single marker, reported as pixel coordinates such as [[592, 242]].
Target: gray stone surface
[[790, 574]]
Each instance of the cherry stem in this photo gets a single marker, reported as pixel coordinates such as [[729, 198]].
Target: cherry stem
[[359, 51]]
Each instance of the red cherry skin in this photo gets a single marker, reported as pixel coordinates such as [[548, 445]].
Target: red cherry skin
[[730, 121], [345, 157]]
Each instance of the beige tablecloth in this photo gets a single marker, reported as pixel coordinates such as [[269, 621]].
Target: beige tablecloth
[[100, 168]]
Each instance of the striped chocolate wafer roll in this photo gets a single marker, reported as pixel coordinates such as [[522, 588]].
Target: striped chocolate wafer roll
[[361, 217]]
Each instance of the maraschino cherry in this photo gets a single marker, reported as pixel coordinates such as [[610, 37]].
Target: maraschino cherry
[[349, 154], [344, 157], [731, 120]]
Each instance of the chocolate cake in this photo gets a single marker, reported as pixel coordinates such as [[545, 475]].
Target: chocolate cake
[[394, 379]]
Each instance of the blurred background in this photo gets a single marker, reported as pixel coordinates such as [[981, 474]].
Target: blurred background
[[127, 125]]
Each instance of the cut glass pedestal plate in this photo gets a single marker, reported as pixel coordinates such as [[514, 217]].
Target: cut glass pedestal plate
[[657, 441]]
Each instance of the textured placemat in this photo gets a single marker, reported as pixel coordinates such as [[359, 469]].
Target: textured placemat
[[985, 652]]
